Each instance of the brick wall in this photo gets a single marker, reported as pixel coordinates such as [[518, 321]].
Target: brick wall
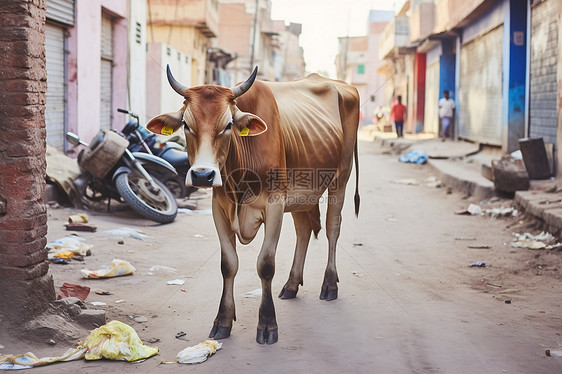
[[544, 60], [25, 287]]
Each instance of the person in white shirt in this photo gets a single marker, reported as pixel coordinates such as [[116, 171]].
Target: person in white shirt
[[446, 114]]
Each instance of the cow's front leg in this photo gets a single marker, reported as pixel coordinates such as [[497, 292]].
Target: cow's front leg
[[267, 323], [229, 267]]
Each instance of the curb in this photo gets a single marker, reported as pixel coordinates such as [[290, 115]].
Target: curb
[[543, 206]]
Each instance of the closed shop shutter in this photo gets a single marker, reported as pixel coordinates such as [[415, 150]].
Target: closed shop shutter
[[106, 73], [480, 88], [55, 105], [61, 11], [431, 120], [543, 81]]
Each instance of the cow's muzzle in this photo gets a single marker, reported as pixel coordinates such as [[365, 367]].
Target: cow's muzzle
[[202, 177]]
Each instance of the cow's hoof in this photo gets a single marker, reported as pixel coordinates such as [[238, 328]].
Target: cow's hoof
[[287, 294], [328, 295], [219, 332], [269, 337]]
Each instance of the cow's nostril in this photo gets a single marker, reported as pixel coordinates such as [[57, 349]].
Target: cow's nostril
[[211, 176]]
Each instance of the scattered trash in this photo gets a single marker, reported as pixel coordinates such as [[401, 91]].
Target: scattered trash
[[465, 238], [116, 341], [119, 301], [78, 218], [153, 340], [99, 292], [124, 232], [414, 157], [139, 319], [472, 210], [183, 290], [391, 219], [73, 290], [121, 242], [199, 236], [535, 242], [162, 267], [52, 342], [358, 274], [254, 293], [501, 212], [406, 181], [185, 211], [357, 244], [118, 268], [73, 244], [206, 212], [199, 353], [180, 335], [479, 246], [176, 282], [508, 301], [432, 182], [60, 261], [552, 353], [113, 341], [97, 303], [64, 254], [80, 227], [479, 264]]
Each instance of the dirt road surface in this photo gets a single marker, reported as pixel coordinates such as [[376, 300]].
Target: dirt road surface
[[408, 300]]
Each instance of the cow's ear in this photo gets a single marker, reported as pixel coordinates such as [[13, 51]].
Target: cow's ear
[[249, 124], [165, 124]]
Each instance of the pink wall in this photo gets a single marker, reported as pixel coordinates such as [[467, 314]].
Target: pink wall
[[84, 43]]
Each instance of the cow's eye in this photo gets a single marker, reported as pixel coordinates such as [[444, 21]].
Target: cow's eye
[[185, 125], [228, 127]]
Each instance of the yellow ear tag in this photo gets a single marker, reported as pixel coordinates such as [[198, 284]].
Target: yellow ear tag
[[166, 130], [245, 131]]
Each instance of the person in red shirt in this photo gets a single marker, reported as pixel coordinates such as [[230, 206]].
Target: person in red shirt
[[398, 113]]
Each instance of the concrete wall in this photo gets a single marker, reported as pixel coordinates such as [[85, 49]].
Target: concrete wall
[[84, 43], [136, 73]]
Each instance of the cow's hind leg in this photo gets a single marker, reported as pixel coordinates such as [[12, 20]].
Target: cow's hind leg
[[305, 223], [229, 267], [267, 322], [333, 224]]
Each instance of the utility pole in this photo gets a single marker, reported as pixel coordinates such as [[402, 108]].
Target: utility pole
[[253, 46]]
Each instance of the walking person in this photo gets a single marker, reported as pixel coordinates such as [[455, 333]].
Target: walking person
[[446, 114], [398, 114]]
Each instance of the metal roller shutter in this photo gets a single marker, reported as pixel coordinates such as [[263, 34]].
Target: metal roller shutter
[[480, 88], [544, 59], [55, 104], [431, 120], [106, 80], [61, 11]]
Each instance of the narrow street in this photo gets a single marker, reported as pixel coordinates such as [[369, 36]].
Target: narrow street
[[408, 300]]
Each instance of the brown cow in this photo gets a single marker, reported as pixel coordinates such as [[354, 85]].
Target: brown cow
[[274, 148]]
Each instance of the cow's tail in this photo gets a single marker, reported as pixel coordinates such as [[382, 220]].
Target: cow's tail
[[357, 198]]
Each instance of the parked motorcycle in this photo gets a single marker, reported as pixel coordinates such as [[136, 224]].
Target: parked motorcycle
[[142, 140], [110, 171]]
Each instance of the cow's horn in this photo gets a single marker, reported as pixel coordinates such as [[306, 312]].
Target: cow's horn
[[242, 88], [177, 86]]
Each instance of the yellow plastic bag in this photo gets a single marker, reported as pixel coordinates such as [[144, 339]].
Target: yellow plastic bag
[[116, 341], [118, 268]]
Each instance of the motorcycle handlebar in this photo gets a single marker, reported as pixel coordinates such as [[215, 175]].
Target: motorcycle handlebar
[[134, 115]]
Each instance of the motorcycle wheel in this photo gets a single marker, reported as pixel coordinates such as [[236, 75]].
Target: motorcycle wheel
[[157, 205]]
